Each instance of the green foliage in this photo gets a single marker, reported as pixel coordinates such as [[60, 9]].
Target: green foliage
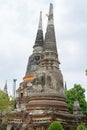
[[31, 128], [81, 127], [6, 102], [55, 125], [76, 93], [4, 99]]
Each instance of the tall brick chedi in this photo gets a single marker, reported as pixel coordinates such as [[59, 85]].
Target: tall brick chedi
[[41, 93], [43, 82]]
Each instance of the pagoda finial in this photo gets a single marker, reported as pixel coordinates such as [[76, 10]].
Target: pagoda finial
[[39, 36], [40, 22], [50, 16], [50, 39]]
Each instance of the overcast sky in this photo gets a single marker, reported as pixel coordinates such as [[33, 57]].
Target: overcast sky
[[18, 28]]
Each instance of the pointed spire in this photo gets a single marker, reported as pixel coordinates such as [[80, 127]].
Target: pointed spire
[[40, 21], [39, 36], [5, 87], [50, 40], [50, 16], [65, 86]]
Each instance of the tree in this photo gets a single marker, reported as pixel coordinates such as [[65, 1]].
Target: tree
[[55, 125], [81, 127], [6, 102], [4, 99], [76, 93]]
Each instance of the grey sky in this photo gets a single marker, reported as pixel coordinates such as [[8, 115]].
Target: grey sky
[[18, 27]]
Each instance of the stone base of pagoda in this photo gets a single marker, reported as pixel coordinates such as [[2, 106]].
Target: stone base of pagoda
[[45, 103]]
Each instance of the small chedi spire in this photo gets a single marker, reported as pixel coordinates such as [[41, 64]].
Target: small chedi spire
[[65, 86], [50, 40], [5, 87], [76, 108]]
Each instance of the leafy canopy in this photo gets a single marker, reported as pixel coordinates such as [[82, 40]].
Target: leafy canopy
[[76, 93]]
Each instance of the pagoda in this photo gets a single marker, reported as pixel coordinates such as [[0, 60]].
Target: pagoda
[[41, 95], [43, 78]]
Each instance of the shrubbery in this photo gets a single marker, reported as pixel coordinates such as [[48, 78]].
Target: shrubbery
[[55, 126], [81, 127]]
